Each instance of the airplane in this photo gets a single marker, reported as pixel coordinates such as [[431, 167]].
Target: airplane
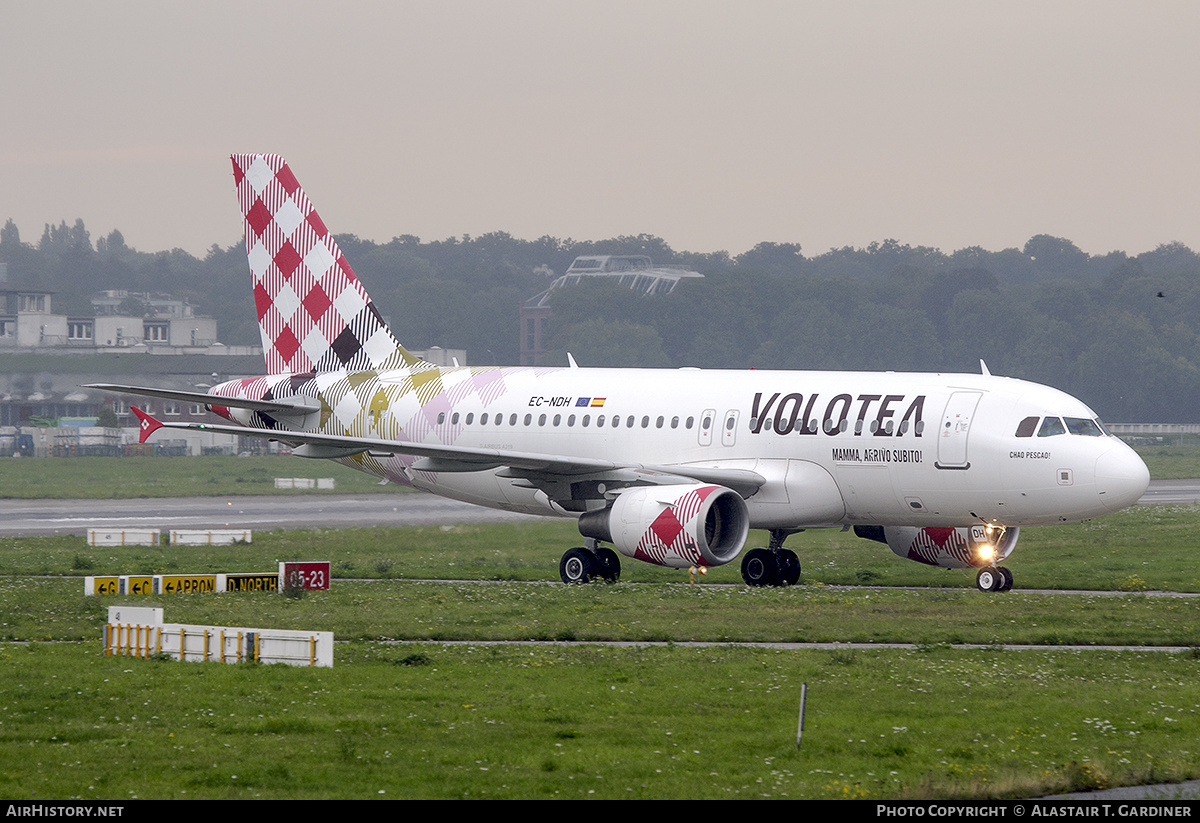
[[669, 467]]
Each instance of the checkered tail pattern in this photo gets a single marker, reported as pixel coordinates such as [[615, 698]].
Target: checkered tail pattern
[[314, 314]]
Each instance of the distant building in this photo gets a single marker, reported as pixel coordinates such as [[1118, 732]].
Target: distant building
[[43, 397], [160, 325], [633, 271], [446, 358]]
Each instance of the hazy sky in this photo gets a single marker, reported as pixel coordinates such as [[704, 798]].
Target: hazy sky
[[714, 125]]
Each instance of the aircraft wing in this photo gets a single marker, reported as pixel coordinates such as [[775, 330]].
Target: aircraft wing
[[443, 458], [293, 405]]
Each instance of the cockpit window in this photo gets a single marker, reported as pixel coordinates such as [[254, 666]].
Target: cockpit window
[[1050, 427], [1027, 427], [1084, 426]]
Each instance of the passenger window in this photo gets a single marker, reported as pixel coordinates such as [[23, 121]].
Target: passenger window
[[675, 422], [1027, 427], [441, 418], [1050, 427], [483, 419], [470, 417]]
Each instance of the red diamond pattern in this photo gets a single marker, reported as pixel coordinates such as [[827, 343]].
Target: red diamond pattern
[[286, 344], [302, 340], [262, 301], [666, 527], [316, 303], [665, 540], [287, 259], [287, 180], [258, 218]]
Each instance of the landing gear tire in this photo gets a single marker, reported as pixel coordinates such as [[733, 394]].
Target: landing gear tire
[[1007, 585], [608, 565], [578, 565], [992, 579], [789, 567], [760, 568]]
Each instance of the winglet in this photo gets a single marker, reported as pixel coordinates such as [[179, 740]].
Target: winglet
[[148, 426]]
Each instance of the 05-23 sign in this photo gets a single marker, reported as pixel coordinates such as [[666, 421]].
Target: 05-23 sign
[[309, 574]]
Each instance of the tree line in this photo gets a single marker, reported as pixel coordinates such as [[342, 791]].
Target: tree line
[[1117, 330]]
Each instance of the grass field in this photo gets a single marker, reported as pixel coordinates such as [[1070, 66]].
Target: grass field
[[592, 722], [432, 697], [402, 714], [1174, 458]]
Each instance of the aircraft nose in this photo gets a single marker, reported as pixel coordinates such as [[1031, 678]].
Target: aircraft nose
[[1121, 478]]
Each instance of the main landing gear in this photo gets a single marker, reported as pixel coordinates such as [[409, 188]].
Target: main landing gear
[[772, 566], [585, 564], [994, 579]]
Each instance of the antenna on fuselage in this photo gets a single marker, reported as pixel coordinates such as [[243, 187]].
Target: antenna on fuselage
[[983, 369], [571, 361]]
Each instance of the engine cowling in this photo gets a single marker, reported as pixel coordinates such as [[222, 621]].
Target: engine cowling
[[964, 547], [674, 526]]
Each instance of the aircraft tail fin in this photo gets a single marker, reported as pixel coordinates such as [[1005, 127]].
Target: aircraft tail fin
[[313, 313]]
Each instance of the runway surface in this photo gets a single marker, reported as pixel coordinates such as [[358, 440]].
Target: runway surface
[[41, 517], [49, 517]]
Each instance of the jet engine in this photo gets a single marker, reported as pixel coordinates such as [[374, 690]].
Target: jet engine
[[964, 547], [675, 526]]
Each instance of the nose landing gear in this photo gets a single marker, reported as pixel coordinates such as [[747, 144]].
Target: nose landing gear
[[994, 579]]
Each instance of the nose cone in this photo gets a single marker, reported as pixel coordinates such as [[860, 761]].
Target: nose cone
[[1121, 477]]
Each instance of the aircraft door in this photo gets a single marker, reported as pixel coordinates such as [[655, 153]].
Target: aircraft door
[[729, 428], [707, 421], [955, 430]]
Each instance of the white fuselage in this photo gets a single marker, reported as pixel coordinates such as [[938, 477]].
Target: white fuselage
[[836, 448]]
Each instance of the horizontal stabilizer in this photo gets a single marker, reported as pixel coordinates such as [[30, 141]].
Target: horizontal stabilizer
[[301, 405]]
